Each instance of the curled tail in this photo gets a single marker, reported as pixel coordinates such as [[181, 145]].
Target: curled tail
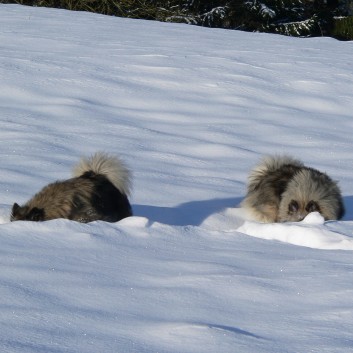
[[270, 164], [110, 166]]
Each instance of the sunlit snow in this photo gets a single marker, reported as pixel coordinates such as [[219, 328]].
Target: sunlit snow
[[191, 110]]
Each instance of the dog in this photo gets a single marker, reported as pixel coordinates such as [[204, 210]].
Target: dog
[[98, 190], [283, 189]]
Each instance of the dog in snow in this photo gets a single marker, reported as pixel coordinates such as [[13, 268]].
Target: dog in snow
[[283, 189], [98, 190]]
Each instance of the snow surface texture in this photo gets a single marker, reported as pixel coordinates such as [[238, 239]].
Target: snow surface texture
[[191, 110]]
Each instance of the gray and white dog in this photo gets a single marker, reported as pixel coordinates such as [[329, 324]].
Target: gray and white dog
[[283, 189], [99, 190]]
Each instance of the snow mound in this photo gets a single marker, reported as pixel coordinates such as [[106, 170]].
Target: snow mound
[[313, 218], [312, 232], [191, 113], [5, 211]]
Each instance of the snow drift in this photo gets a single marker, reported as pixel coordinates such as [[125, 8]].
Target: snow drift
[[191, 110]]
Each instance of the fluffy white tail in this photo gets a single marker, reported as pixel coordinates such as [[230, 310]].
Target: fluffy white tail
[[110, 166], [272, 163]]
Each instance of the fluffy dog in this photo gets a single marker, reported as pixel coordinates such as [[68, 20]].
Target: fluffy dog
[[283, 189], [99, 190]]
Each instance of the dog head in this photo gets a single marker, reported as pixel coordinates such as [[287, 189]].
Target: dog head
[[25, 213], [298, 210]]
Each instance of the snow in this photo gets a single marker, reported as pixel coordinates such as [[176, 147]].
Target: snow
[[191, 110]]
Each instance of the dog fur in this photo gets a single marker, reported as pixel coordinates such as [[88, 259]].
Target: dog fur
[[283, 189], [99, 190]]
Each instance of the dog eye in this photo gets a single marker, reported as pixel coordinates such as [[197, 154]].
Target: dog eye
[[293, 206], [312, 206]]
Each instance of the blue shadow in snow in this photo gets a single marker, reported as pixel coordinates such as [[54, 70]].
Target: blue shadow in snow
[[189, 213], [195, 212], [348, 204], [234, 330]]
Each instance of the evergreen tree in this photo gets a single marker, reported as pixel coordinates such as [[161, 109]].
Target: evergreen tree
[[302, 18]]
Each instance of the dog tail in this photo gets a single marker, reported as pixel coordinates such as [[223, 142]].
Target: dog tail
[[112, 167], [272, 163], [269, 164]]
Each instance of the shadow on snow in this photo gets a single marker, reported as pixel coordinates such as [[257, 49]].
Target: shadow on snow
[[348, 204], [189, 213], [195, 212]]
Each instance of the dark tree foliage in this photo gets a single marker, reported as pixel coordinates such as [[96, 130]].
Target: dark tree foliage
[[303, 18]]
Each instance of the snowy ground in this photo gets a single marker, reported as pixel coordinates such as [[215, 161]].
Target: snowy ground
[[191, 110]]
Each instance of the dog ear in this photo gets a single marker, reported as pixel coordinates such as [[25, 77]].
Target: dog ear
[[15, 208], [36, 214], [293, 206], [15, 212], [312, 206]]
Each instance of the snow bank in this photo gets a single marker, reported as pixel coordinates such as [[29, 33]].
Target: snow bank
[[312, 232], [191, 110]]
